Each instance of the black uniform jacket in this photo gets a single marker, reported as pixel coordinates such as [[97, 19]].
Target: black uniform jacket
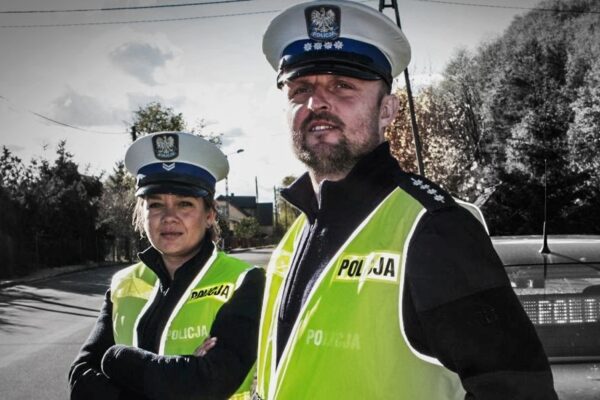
[[458, 305], [103, 370]]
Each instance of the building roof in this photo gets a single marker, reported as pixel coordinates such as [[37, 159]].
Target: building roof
[[264, 214], [240, 201], [247, 205]]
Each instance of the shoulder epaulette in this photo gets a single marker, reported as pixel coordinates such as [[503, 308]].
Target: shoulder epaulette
[[429, 194]]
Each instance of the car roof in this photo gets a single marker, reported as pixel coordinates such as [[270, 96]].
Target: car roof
[[565, 249]]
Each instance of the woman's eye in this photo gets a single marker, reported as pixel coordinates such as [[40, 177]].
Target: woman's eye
[[154, 205], [184, 204]]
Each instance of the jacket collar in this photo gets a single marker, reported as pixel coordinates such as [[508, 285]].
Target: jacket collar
[[365, 184], [153, 260]]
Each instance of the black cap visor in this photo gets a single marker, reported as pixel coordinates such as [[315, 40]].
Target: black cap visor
[[333, 63]]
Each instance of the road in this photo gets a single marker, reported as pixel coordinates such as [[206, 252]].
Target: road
[[44, 323]]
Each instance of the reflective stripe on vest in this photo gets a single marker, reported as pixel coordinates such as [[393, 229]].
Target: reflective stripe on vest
[[348, 341], [134, 289]]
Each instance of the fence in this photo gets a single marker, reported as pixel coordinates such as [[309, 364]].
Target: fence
[[23, 256]]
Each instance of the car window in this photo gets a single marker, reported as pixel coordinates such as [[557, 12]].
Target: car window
[[561, 295]]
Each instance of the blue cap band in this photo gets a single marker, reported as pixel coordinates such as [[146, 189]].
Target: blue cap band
[[176, 172], [343, 45]]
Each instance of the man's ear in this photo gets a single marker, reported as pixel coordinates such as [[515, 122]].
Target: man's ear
[[388, 110]]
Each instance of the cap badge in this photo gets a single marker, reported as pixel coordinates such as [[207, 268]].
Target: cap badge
[[166, 147], [323, 22]]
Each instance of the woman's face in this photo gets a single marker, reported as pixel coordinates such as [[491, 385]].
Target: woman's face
[[175, 225]]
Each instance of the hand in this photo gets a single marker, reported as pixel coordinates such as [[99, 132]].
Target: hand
[[208, 344], [93, 385]]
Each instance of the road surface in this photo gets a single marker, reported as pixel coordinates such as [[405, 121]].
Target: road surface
[[44, 323]]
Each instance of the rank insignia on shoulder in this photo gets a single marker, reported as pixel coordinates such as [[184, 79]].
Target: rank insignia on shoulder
[[428, 189]]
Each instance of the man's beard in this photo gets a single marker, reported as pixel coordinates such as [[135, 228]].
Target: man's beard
[[332, 159]]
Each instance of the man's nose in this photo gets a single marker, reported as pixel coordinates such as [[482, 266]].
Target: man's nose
[[318, 100]]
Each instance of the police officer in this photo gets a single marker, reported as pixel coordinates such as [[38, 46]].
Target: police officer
[[148, 340], [384, 288]]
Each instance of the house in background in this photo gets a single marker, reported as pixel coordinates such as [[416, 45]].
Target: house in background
[[239, 207]]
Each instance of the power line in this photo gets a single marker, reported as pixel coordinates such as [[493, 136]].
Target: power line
[[54, 121], [250, 13], [144, 21], [121, 8], [457, 3]]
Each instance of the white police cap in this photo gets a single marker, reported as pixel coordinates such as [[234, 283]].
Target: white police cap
[[335, 37], [177, 163]]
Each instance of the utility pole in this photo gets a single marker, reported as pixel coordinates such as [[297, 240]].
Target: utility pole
[[256, 187], [275, 206], [411, 105], [227, 200], [227, 186]]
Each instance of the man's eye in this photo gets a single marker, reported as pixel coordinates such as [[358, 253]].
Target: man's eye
[[343, 85], [184, 204], [154, 205], [299, 91]]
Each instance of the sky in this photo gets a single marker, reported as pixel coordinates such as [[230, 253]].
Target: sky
[[79, 76]]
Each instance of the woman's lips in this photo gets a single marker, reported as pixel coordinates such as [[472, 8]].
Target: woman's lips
[[170, 235]]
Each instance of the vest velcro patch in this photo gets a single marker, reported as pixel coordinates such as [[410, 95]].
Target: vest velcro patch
[[220, 291], [377, 266]]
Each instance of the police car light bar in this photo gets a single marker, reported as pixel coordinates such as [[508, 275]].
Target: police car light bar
[[561, 310]]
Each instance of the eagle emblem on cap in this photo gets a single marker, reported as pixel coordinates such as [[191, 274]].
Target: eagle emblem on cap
[[323, 23], [166, 147]]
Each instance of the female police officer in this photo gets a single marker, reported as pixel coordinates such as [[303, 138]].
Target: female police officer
[[147, 341]]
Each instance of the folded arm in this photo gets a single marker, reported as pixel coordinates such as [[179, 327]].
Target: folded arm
[[217, 374]]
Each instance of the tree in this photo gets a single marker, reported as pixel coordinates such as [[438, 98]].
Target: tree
[[62, 208], [50, 212], [286, 213], [56, 209], [584, 131], [200, 129], [247, 229], [226, 234], [15, 177], [155, 117], [116, 211], [448, 149], [528, 109], [11, 236], [523, 101]]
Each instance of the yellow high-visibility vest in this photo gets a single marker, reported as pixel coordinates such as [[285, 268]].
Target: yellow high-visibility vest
[[133, 290], [348, 341]]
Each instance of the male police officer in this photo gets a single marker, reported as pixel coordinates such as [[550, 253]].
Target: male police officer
[[384, 288]]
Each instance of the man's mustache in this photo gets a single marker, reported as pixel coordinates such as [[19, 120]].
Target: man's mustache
[[321, 116]]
